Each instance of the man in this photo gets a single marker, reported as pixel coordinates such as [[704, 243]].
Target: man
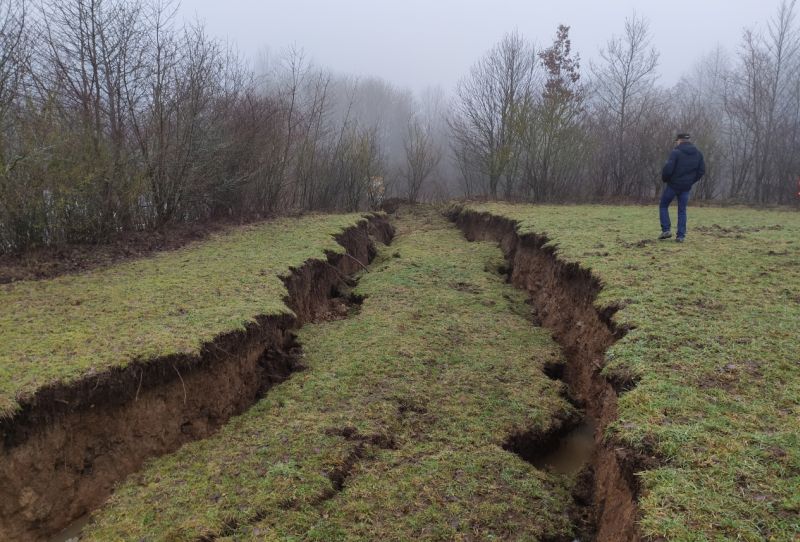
[[685, 166]]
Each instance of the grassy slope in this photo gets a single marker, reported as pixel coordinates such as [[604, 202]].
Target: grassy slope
[[414, 393], [65, 328], [716, 346]]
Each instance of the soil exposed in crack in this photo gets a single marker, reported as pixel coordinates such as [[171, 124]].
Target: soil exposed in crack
[[562, 299], [62, 454]]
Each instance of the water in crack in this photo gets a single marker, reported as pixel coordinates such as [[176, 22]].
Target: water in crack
[[73, 531], [573, 451]]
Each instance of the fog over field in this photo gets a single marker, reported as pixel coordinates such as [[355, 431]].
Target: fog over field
[[417, 43]]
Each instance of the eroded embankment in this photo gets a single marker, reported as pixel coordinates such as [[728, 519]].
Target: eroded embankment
[[62, 454], [562, 298]]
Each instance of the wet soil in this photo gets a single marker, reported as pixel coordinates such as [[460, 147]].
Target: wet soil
[[63, 453], [572, 453], [562, 297], [566, 451], [72, 532]]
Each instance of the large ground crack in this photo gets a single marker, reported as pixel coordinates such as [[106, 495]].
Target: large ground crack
[[61, 456], [562, 298]]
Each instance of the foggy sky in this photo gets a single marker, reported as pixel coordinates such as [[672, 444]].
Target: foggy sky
[[421, 43]]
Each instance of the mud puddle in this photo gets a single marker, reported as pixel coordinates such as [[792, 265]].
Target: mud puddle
[[572, 452], [72, 532]]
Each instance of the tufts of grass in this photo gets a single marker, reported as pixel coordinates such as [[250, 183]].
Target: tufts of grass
[[394, 431], [66, 328], [715, 349]]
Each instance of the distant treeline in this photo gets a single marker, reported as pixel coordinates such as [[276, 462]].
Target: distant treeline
[[115, 117], [528, 125]]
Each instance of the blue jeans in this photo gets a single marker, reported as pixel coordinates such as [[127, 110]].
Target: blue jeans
[[663, 209]]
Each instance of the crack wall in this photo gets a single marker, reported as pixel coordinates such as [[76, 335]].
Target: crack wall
[[562, 297], [63, 453]]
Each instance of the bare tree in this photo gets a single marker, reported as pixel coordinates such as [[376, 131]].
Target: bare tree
[[699, 105], [314, 131], [13, 57], [623, 85], [422, 156], [17, 210], [358, 162], [487, 110], [86, 50], [780, 48], [760, 103], [552, 135]]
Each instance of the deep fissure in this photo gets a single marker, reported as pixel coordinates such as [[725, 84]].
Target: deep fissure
[[562, 300], [70, 444]]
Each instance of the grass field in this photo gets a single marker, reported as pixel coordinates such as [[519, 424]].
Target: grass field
[[394, 431], [66, 328], [716, 353]]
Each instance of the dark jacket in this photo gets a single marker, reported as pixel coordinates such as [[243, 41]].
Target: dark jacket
[[685, 166]]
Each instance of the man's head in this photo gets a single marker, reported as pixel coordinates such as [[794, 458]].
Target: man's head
[[682, 137]]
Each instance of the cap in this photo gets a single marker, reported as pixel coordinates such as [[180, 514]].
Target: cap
[[683, 135]]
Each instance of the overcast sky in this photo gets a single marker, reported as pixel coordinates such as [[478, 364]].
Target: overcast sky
[[420, 43]]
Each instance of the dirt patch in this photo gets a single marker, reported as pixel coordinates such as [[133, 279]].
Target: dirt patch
[[638, 244], [68, 446], [562, 300], [736, 232], [391, 205], [48, 262], [465, 287], [364, 443]]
